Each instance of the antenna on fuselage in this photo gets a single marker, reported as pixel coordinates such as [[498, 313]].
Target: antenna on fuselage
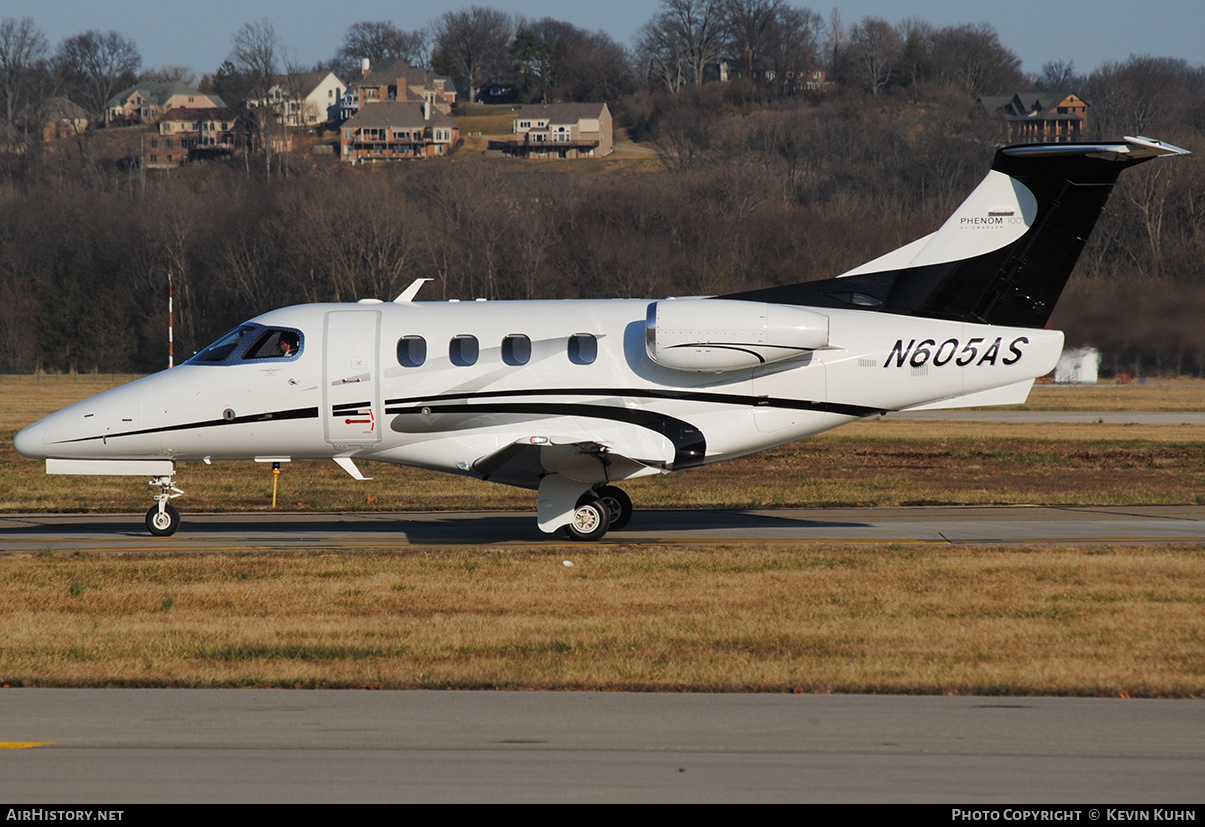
[[410, 292]]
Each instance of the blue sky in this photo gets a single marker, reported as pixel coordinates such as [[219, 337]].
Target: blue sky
[[198, 35]]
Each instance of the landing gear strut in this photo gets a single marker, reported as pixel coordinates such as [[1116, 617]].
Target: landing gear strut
[[163, 519]]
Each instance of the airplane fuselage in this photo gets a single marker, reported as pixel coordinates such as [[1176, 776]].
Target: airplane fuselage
[[347, 392]]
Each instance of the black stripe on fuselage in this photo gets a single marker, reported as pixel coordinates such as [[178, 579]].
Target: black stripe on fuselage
[[651, 393], [270, 416]]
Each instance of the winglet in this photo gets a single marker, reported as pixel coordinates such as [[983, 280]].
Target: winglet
[[410, 292]]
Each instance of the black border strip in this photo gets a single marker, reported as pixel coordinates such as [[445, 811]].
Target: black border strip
[[270, 416], [650, 393]]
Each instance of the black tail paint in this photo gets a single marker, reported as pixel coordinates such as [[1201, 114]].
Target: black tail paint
[[1016, 285]]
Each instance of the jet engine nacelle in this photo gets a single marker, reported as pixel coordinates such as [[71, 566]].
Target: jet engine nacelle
[[720, 334]]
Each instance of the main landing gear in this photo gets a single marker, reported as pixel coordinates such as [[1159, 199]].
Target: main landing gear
[[163, 519], [598, 512]]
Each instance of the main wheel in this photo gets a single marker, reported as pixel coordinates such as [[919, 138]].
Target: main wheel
[[618, 504], [591, 519], [163, 523]]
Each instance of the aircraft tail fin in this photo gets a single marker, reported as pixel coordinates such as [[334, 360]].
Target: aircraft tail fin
[[1005, 255]]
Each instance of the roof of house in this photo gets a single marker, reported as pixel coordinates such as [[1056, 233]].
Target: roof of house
[[396, 113], [1025, 104], [562, 112], [159, 92], [62, 109], [304, 82]]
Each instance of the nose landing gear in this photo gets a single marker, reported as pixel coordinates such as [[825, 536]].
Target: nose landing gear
[[163, 519]]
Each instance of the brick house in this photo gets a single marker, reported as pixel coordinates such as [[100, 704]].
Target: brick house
[[189, 135], [393, 130], [560, 130], [402, 83]]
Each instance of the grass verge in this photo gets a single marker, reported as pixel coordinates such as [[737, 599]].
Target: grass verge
[[1076, 620]]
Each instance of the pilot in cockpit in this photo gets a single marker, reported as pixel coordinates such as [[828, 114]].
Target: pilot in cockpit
[[287, 344]]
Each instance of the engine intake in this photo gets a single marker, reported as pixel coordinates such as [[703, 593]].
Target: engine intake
[[715, 335]]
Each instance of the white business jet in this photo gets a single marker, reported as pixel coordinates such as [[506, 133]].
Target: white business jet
[[571, 397]]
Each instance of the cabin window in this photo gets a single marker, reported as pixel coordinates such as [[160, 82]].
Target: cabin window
[[411, 351], [516, 349], [583, 349], [463, 350]]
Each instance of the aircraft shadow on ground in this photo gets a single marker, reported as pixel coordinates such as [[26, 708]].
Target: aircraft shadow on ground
[[452, 528]]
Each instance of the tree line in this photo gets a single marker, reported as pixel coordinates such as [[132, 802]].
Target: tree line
[[756, 182]]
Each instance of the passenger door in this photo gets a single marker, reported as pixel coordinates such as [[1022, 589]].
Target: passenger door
[[351, 386]]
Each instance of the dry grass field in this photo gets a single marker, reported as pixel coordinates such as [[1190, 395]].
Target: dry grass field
[[931, 619], [1076, 620]]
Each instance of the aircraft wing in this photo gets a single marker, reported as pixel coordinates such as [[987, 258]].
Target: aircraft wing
[[526, 461]]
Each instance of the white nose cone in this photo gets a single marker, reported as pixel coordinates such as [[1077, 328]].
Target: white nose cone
[[31, 442]]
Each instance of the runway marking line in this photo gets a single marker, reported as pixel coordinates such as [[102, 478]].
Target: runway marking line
[[24, 744]]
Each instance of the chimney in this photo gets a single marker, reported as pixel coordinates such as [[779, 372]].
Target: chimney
[[365, 67], [426, 108]]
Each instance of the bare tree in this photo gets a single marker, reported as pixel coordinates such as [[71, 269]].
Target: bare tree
[[916, 59], [381, 43], [255, 55], [98, 62], [875, 49], [178, 74], [1058, 76], [473, 46], [972, 60], [678, 44], [1140, 95], [22, 49], [793, 46], [750, 26], [837, 43], [555, 60]]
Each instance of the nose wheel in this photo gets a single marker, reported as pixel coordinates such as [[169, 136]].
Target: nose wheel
[[163, 519]]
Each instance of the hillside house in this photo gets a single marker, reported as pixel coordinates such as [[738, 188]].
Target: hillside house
[[401, 83], [63, 119], [188, 135], [1036, 117], [560, 130], [393, 130], [304, 98]]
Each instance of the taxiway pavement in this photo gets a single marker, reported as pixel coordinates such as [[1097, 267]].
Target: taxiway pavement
[[23, 533], [132, 746]]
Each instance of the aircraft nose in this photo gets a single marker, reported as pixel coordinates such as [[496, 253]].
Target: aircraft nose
[[31, 441]]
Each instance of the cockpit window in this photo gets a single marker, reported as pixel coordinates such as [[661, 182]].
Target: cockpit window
[[253, 342], [220, 350], [274, 344]]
